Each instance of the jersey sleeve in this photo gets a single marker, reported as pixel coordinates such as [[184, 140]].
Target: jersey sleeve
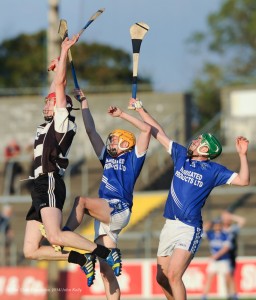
[[176, 150], [62, 121], [224, 175]]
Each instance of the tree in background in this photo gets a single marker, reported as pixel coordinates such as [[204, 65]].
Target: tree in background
[[23, 63], [232, 38]]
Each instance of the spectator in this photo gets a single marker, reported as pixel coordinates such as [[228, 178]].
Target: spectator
[[29, 149], [219, 262], [12, 166], [232, 224], [6, 232]]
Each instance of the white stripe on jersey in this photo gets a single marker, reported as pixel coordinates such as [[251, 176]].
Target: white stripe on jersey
[[37, 171], [38, 150], [108, 186], [51, 180], [175, 198]]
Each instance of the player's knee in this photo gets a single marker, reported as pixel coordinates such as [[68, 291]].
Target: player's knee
[[54, 239], [29, 253], [81, 201], [173, 277]]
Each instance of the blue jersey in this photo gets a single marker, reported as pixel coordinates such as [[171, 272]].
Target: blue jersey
[[120, 175], [192, 183], [217, 241]]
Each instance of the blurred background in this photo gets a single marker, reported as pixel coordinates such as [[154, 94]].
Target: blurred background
[[196, 74]]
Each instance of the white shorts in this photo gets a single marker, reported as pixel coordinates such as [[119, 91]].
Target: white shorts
[[120, 217], [219, 266], [176, 234]]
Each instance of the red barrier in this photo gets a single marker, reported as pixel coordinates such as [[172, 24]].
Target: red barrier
[[23, 283], [138, 281]]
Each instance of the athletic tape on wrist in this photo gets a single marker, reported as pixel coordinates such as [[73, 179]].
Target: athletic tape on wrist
[[138, 104]]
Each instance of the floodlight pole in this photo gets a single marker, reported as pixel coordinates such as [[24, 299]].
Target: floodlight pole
[[52, 36]]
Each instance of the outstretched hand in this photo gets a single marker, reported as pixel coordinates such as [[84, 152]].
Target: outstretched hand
[[242, 145], [132, 103], [68, 43], [114, 111], [79, 95]]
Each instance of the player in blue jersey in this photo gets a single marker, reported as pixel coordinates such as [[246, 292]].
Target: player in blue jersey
[[122, 158], [220, 259], [232, 224], [195, 175]]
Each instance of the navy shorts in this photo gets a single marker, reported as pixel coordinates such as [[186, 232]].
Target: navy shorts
[[48, 190]]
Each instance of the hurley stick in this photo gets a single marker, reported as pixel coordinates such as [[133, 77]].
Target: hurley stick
[[137, 33]]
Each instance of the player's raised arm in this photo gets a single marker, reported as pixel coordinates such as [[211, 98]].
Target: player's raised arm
[[243, 177], [60, 76], [156, 129], [89, 123]]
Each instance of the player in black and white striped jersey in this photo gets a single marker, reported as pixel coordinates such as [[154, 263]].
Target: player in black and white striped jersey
[[52, 143]]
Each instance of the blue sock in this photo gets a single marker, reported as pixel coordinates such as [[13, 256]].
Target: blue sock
[[65, 228]]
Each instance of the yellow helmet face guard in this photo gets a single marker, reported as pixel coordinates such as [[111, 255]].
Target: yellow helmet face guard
[[123, 136]]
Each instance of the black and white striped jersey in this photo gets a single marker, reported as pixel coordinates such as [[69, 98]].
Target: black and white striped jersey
[[52, 143]]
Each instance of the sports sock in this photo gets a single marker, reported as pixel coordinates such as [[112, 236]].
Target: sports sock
[[101, 251], [77, 258], [65, 228]]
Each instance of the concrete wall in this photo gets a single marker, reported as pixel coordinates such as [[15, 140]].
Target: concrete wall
[[21, 115], [239, 114]]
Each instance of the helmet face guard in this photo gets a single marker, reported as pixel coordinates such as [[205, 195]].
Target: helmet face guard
[[122, 136], [212, 143]]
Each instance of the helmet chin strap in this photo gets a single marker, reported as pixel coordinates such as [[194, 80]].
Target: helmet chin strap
[[48, 119], [190, 153]]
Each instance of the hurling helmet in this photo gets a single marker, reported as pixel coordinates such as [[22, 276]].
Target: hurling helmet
[[123, 135], [52, 96], [213, 145]]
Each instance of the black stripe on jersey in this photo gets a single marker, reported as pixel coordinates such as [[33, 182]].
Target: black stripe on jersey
[[53, 146]]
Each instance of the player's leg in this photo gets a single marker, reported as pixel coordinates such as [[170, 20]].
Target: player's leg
[[107, 235], [112, 289], [177, 245], [162, 275], [225, 270], [211, 270], [179, 261], [96, 207], [32, 248], [52, 218]]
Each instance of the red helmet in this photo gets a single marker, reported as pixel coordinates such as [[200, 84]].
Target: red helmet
[[53, 96]]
